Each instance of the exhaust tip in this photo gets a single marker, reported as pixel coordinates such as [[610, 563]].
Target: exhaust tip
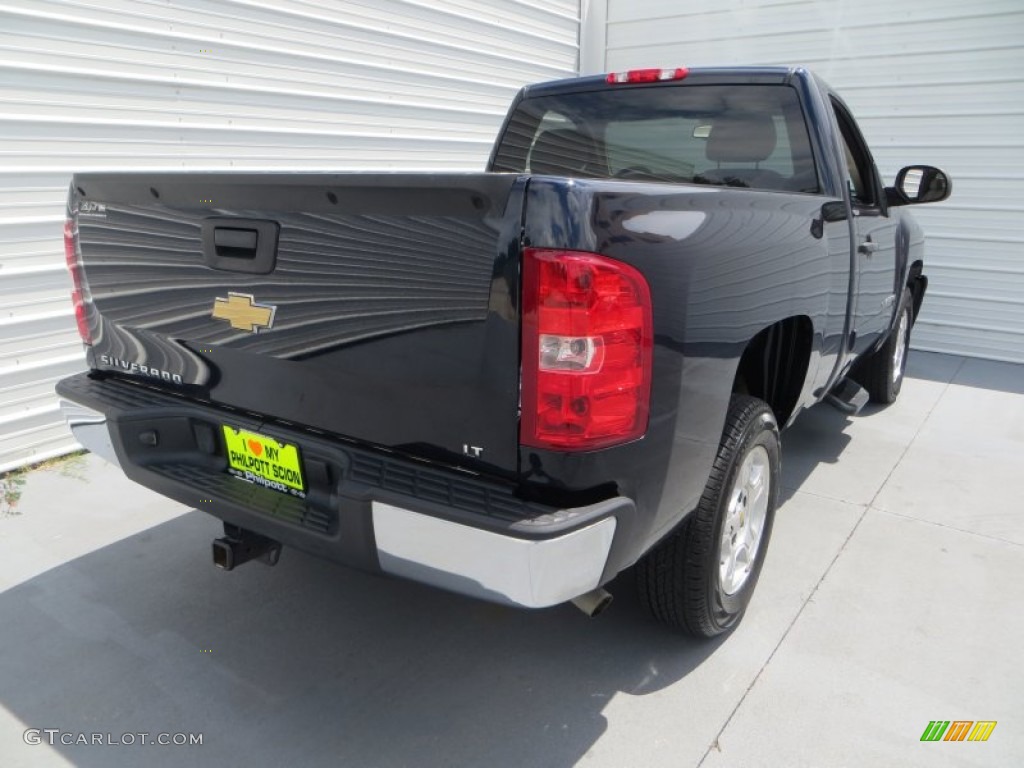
[[594, 602]]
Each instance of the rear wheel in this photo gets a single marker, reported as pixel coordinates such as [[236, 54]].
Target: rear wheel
[[701, 578], [881, 372]]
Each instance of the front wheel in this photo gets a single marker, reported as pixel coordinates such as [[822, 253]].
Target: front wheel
[[701, 578], [881, 372]]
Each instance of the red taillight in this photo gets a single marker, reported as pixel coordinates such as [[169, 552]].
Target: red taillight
[[647, 75], [586, 346], [78, 291]]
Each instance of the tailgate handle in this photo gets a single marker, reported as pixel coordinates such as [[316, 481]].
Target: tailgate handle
[[240, 245], [235, 243]]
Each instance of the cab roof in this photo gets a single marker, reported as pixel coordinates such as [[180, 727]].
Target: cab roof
[[774, 75]]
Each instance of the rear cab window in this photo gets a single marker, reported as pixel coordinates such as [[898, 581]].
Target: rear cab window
[[752, 136]]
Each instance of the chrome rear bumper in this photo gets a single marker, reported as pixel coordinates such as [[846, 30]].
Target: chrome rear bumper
[[533, 573], [89, 428]]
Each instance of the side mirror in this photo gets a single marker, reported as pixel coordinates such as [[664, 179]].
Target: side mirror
[[919, 184], [834, 211]]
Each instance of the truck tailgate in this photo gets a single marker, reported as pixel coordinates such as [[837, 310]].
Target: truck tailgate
[[379, 307]]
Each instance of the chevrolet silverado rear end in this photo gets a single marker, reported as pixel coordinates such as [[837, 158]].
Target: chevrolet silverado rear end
[[332, 362]]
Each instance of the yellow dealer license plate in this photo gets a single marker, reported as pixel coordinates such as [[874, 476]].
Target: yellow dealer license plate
[[264, 461]]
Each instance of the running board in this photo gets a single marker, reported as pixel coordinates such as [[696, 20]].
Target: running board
[[848, 396]]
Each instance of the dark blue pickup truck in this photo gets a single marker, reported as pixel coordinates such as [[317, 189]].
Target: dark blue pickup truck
[[512, 384]]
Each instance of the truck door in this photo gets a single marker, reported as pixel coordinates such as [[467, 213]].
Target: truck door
[[874, 237]]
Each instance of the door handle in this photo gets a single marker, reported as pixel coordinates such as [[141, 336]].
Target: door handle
[[867, 247]]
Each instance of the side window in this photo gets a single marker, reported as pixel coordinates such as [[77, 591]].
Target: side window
[[858, 159]]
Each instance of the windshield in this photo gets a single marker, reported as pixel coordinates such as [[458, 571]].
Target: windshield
[[733, 135]]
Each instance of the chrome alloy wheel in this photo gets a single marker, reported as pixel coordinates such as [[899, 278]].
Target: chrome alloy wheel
[[899, 352], [743, 526]]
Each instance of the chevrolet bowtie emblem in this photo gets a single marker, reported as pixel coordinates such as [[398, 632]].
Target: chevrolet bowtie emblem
[[242, 311]]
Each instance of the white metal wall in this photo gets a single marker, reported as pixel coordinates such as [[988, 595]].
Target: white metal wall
[[228, 84], [930, 81]]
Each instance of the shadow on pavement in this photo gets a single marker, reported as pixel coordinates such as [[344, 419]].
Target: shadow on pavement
[[308, 663], [819, 435], [816, 437], [967, 372], [988, 374]]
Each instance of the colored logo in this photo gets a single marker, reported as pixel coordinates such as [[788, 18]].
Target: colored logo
[[958, 730], [243, 312]]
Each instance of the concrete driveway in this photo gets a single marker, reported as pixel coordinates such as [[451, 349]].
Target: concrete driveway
[[892, 596]]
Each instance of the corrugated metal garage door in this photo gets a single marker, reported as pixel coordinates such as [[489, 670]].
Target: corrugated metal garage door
[[932, 81], [217, 84]]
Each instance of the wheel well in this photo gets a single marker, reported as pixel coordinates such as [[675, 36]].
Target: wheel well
[[774, 365]]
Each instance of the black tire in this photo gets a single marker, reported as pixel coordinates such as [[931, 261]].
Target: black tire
[[881, 372], [680, 580]]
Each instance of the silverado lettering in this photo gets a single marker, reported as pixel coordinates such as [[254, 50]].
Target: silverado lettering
[[131, 367]]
